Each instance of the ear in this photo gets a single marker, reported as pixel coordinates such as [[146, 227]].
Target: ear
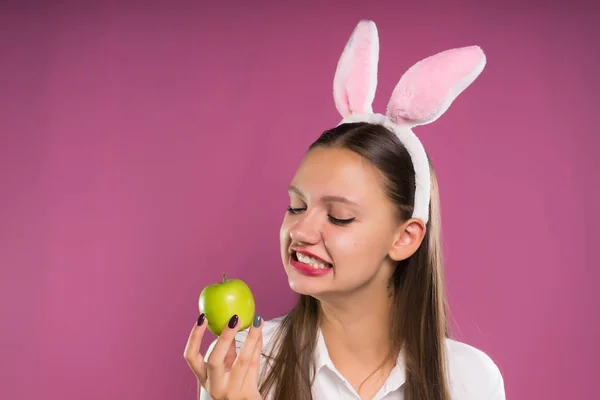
[[430, 86], [355, 78], [408, 239]]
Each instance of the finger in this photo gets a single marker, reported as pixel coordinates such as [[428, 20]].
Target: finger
[[192, 349], [242, 362], [216, 360], [231, 355], [251, 380]]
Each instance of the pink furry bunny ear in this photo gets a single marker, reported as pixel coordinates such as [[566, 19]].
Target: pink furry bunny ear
[[355, 78], [430, 86], [421, 96]]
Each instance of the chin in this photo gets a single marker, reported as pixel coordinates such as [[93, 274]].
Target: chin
[[302, 288]]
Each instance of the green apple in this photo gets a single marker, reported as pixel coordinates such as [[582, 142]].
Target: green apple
[[222, 300]]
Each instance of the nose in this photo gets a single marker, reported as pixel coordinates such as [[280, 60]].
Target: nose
[[306, 230]]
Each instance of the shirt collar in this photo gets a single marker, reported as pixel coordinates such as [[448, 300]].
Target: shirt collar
[[395, 380], [321, 354]]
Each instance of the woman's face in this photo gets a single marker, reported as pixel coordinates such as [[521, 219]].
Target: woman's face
[[337, 235]]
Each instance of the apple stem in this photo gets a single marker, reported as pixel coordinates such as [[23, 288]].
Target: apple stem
[[224, 277]]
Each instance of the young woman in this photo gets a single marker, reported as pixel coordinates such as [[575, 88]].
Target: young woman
[[360, 244]]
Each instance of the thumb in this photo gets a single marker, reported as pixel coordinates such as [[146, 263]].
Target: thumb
[[231, 355]]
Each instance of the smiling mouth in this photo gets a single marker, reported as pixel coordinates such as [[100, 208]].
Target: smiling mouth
[[310, 261]]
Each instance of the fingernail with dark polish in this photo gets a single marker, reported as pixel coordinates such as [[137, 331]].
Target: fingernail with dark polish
[[233, 321], [257, 321], [201, 319]]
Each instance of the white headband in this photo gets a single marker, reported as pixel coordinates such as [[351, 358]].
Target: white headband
[[421, 96]]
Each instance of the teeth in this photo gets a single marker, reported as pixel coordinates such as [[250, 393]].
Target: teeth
[[303, 258]]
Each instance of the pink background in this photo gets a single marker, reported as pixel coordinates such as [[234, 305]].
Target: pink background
[[146, 149]]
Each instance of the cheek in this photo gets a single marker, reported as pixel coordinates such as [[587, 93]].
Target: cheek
[[343, 245], [358, 245]]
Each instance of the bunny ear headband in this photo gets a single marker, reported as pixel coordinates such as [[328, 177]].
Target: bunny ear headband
[[421, 96]]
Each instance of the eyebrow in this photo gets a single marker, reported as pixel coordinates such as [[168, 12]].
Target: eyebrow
[[325, 199]]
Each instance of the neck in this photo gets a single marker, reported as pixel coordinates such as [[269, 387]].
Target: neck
[[358, 326]]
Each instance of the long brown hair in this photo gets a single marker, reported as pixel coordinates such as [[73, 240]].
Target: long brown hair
[[419, 310]]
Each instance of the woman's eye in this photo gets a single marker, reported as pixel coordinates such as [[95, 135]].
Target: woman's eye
[[333, 220], [338, 221]]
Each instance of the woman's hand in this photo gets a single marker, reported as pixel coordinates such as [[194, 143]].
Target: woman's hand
[[225, 376]]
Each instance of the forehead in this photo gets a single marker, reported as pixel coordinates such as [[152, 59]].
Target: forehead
[[339, 172]]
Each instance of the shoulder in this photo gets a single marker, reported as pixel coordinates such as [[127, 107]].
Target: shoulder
[[472, 373]]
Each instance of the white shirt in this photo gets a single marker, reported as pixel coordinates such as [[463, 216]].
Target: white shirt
[[473, 375]]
